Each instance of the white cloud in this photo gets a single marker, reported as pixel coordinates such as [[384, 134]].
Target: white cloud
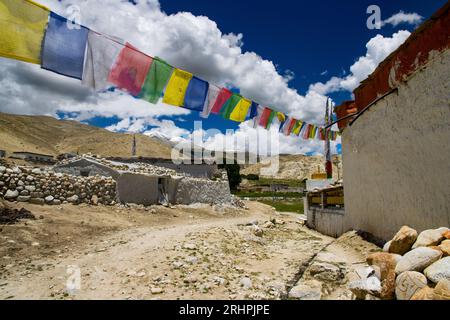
[[378, 48], [194, 43], [403, 18]]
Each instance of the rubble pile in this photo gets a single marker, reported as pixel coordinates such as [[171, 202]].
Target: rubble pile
[[412, 266], [11, 216], [38, 186]]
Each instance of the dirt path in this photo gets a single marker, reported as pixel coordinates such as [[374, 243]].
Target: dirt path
[[197, 252]]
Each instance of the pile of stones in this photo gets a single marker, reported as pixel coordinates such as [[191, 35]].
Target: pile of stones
[[412, 266], [38, 186]]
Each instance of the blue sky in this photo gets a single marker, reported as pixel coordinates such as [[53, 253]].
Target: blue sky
[[287, 54]]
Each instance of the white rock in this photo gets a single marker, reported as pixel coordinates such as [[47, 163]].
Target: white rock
[[361, 288], [439, 270], [49, 199], [36, 171], [431, 237], [408, 283], [246, 283], [156, 290], [305, 292], [190, 246], [417, 260], [11, 194], [2, 169]]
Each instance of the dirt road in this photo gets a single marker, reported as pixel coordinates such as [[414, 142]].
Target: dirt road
[[185, 252]]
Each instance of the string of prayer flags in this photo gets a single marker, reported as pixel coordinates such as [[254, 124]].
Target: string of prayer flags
[[213, 93], [240, 111], [101, 54], [30, 32], [64, 47], [196, 94], [176, 88], [22, 28], [130, 70], [156, 80], [222, 98]]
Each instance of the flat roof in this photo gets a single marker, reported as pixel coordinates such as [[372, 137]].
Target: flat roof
[[32, 153]]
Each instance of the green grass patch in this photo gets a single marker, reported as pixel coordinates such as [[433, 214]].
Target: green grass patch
[[251, 194], [285, 206]]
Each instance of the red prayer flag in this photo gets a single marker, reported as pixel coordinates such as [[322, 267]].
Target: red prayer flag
[[223, 97], [130, 70], [265, 117]]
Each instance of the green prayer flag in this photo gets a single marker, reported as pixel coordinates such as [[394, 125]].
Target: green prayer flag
[[271, 117], [229, 106], [156, 81]]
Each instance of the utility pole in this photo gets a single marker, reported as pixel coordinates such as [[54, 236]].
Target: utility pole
[[133, 148], [328, 120]]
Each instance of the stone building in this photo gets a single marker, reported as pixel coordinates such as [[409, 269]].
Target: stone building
[[147, 184], [396, 152], [33, 157]]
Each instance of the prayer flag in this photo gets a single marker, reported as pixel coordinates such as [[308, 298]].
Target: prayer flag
[[222, 98], [265, 117], [240, 111], [213, 93], [253, 112], [289, 126], [259, 112], [298, 127], [176, 88], [196, 94], [130, 70], [156, 80], [229, 106], [22, 28], [101, 54], [64, 47]]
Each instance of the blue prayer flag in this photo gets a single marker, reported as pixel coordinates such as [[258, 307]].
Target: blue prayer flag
[[196, 94], [253, 110], [64, 47]]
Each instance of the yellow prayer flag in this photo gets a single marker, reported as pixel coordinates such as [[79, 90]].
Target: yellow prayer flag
[[281, 117], [240, 111], [22, 28], [176, 88]]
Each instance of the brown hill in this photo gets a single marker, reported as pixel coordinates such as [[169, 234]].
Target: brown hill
[[42, 134], [297, 167]]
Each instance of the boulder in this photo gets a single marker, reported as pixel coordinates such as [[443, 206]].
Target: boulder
[[417, 260], [311, 290], [246, 283], [2, 169], [388, 286], [439, 270], [445, 247], [56, 202], [23, 198], [446, 234], [426, 293], [408, 284], [403, 241], [39, 201], [94, 200], [361, 288], [257, 231], [11, 194], [385, 261], [73, 199], [432, 237], [49, 199], [442, 290], [326, 272]]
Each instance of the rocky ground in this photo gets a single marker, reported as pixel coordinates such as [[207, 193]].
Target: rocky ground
[[183, 252]]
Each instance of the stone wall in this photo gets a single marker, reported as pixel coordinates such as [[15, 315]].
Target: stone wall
[[47, 187], [396, 157], [192, 190]]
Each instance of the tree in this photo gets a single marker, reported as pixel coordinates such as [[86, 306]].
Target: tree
[[234, 175]]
